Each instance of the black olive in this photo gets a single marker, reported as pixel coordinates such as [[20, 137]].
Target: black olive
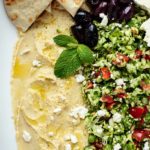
[[101, 8], [127, 13], [93, 3], [113, 10], [82, 17], [126, 1], [91, 35], [78, 32]]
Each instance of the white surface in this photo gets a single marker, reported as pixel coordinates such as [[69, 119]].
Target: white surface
[[7, 41]]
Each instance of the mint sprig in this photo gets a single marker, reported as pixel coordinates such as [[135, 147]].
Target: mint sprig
[[85, 54], [72, 57], [64, 40]]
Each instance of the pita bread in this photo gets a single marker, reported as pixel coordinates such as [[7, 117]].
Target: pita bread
[[71, 6], [24, 12], [54, 5]]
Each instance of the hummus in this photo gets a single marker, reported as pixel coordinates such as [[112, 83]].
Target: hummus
[[48, 111]]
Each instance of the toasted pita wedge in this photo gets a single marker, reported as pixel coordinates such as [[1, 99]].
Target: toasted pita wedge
[[24, 12], [71, 6]]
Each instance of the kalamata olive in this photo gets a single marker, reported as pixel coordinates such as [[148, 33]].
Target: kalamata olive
[[113, 9], [127, 13], [93, 3], [82, 17], [91, 35], [101, 8], [78, 33], [126, 1]]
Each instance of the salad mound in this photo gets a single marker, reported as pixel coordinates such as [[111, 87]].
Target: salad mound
[[117, 87]]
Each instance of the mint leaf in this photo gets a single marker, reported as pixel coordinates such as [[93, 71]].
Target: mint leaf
[[67, 63], [64, 40], [85, 54]]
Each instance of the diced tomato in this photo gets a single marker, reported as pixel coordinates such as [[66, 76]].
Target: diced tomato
[[107, 99], [145, 87], [122, 95], [90, 85], [147, 133], [137, 112], [138, 53], [123, 57], [105, 73], [140, 134], [145, 110], [110, 105], [141, 121], [97, 74], [147, 57]]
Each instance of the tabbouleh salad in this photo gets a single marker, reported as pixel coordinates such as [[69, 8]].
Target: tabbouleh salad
[[117, 88]]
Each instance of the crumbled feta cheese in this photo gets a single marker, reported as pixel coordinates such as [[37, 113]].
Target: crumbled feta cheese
[[117, 146], [94, 85], [146, 146], [36, 63], [120, 82], [145, 26], [111, 122], [93, 72], [99, 131], [73, 139], [79, 78], [101, 113], [26, 136], [50, 134], [104, 21], [79, 112], [62, 97], [111, 75], [117, 117], [57, 110], [145, 4], [109, 127], [68, 147], [67, 137]]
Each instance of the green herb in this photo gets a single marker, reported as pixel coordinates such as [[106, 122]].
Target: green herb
[[72, 57], [67, 63], [85, 54], [63, 40]]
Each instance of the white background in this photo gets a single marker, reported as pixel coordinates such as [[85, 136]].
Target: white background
[[8, 37]]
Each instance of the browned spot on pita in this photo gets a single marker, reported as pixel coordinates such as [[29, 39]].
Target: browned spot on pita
[[19, 28], [30, 20], [77, 1], [63, 1], [9, 2], [14, 17]]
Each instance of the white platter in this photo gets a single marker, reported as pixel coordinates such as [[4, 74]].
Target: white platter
[[8, 37]]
